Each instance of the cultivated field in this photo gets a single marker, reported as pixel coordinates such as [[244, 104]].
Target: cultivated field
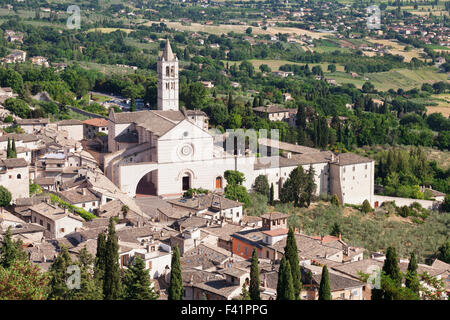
[[397, 48], [443, 101], [225, 28]]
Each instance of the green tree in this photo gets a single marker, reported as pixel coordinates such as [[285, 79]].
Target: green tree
[[89, 288], [285, 286], [324, 288], [390, 267], [176, 280], [294, 189], [444, 252], [137, 282], [336, 229], [291, 254], [10, 250], [254, 277], [100, 259], [111, 281], [412, 278], [23, 281], [262, 185], [5, 197], [59, 289]]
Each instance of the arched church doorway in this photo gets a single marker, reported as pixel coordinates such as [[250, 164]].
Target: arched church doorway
[[186, 182], [148, 185]]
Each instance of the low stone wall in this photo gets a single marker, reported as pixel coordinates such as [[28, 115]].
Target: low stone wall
[[86, 113], [400, 202]]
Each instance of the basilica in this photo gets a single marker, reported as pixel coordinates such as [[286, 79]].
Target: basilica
[[165, 152]]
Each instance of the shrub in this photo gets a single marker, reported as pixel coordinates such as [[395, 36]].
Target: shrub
[[86, 215], [366, 206], [5, 197], [258, 204], [335, 200]]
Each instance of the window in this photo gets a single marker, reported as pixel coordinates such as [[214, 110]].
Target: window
[[10, 176], [41, 222], [245, 250], [61, 230], [366, 166], [355, 292], [343, 295], [149, 265], [84, 205], [353, 168], [48, 227], [93, 203], [167, 71], [237, 214], [19, 176], [239, 248]]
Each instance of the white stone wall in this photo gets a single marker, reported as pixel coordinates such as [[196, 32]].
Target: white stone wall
[[16, 180], [75, 131], [88, 206]]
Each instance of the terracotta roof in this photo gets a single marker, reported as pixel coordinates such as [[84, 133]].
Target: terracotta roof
[[96, 122]]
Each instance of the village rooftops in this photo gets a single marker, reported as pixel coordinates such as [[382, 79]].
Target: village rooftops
[[96, 122], [13, 163], [294, 160], [205, 201], [294, 148], [337, 282]]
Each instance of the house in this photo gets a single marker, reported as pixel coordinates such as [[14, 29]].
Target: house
[[40, 61], [33, 125], [82, 198], [283, 74], [17, 56], [14, 176], [57, 221], [341, 287], [227, 288], [207, 84], [211, 206], [75, 128], [157, 258], [94, 126], [14, 36], [274, 228], [273, 113]]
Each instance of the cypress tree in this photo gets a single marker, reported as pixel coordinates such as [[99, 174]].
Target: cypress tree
[[324, 288], [89, 289], [8, 149], [412, 279], [254, 278], [245, 295], [176, 280], [100, 259], [137, 282], [271, 196], [58, 276], [291, 254], [13, 149], [391, 268], [111, 283], [285, 286]]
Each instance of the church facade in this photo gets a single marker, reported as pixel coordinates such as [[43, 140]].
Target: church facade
[[165, 152]]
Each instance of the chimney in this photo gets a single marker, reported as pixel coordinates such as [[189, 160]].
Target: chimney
[[83, 190]]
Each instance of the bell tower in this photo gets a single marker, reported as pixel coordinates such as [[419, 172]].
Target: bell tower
[[168, 80]]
